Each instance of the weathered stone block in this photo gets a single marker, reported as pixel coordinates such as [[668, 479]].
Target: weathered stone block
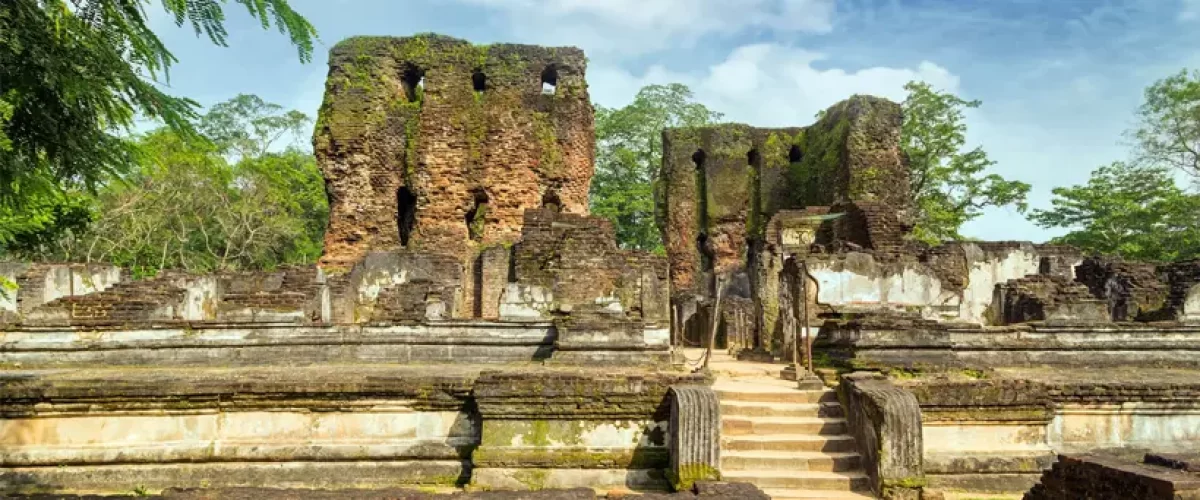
[[886, 423], [695, 435]]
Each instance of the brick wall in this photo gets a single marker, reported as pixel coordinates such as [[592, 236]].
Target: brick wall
[[576, 257], [1111, 478], [479, 132]]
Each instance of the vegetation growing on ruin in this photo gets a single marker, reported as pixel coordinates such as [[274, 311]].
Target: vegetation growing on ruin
[[690, 473], [823, 145]]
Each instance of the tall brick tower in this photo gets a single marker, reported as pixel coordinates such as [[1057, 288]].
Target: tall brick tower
[[435, 144]]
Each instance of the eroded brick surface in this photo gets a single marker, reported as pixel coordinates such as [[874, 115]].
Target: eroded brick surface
[[430, 142]]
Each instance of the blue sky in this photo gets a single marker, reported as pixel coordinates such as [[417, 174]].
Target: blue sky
[[1059, 79]]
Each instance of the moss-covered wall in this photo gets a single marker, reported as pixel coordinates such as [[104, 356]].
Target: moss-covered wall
[[721, 185], [477, 142]]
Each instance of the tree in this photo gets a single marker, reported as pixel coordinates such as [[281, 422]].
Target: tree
[[628, 154], [1169, 129], [247, 127], [186, 206], [75, 75], [948, 184], [1136, 212]]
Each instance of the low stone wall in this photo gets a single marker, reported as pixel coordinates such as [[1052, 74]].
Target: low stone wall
[[203, 344], [1111, 478], [39, 283], [242, 345], [999, 435], [332, 426], [955, 281], [899, 341]]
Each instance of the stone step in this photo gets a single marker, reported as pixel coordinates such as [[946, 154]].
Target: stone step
[[802, 480], [771, 394], [786, 494], [741, 425], [758, 409], [789, 442], [790, 461]]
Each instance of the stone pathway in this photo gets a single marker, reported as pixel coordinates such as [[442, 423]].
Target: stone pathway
[[792, 443]]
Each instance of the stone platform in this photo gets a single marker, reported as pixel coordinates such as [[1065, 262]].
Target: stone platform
[[208, 343], [334, 426]]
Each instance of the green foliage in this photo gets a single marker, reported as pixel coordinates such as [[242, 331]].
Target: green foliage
[[629, 153], [187, 207], [948, 184], [75, 75], [247, 126], [1137, 212], [45, 217], [1169, 129]]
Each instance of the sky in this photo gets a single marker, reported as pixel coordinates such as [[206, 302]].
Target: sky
[[1060, 80]]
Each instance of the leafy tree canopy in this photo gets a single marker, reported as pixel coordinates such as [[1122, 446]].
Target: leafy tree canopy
[[73, 77], [185, 205], [628, 156], [1168, 132], [950, 184], [1136, 212]]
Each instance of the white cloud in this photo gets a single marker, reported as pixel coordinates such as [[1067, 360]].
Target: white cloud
[[770, 85], [1190, 11], [649, 25]]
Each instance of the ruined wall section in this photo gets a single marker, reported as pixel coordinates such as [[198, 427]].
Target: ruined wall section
[[432, 143], [852, 153], [722, 184], [575, 258], [719, 187]]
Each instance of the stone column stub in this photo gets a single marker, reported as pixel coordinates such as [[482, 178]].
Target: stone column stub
[[695, 435]]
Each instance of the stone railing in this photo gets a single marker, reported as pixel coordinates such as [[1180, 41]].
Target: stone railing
[[886, 423]]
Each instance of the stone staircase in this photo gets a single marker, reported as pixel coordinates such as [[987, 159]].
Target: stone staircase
[[791, 443]]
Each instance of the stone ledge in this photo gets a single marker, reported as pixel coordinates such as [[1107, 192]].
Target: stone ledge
[[544, 478], [516, 390], [155, 477], [227, 452], [577, 394], [988, 462], [570, 458]]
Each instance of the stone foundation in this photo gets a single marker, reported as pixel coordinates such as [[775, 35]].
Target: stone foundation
[[332, 426]]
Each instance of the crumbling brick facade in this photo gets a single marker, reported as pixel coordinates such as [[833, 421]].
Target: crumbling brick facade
[[722, 184], [1044, 297], [429, 142], [721, 187], [576, 258]]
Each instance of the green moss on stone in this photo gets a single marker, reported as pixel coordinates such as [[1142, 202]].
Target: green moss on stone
[[688, 474], [547, 138], [533, 479], [906, 483], [824, 147]]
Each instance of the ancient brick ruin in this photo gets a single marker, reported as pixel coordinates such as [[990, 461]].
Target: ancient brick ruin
[[1002, 353], [433, 143], [470, 325]]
